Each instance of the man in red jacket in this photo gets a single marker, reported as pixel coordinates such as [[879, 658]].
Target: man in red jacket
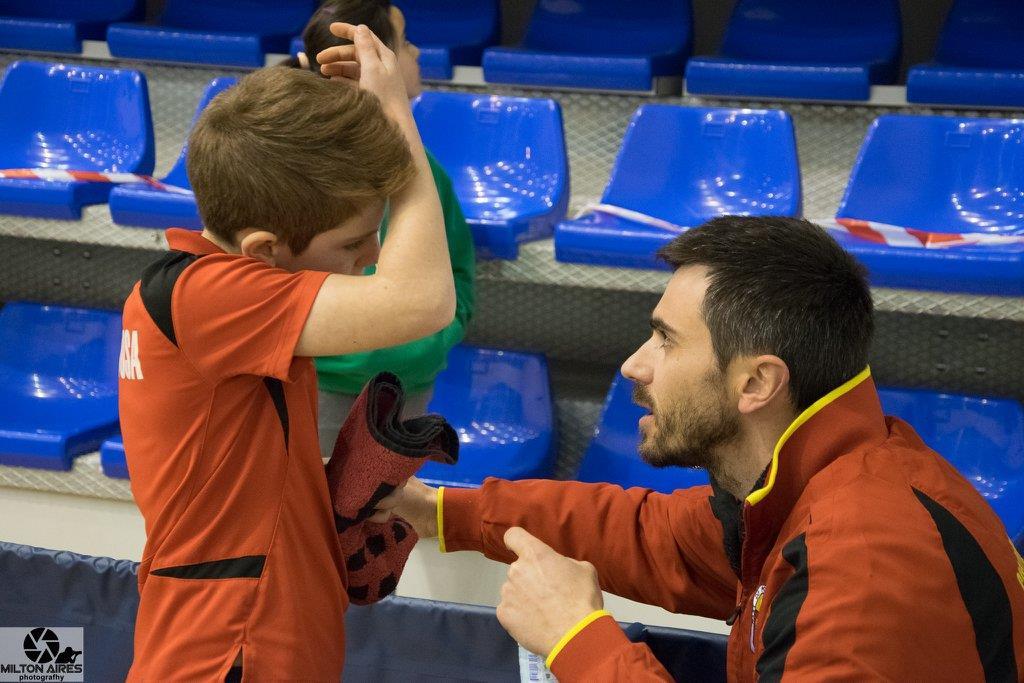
[[836, 543]]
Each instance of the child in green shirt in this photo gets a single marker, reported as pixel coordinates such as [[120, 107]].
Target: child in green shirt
[[416, 363]]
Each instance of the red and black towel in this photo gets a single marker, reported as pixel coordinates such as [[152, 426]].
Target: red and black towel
[[375, 452]]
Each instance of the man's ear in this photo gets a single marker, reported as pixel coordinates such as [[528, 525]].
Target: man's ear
[[260, 244], [762, 381], [303, 60]]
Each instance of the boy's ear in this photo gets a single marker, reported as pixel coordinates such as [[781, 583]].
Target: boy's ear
[[303, 60], [260, 244]]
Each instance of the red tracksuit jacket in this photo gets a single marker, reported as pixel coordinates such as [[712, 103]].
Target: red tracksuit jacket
[[863, 556]]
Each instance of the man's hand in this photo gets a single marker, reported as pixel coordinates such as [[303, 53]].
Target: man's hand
[[368, 62], [546, 594], [417, 504], [386, 506]]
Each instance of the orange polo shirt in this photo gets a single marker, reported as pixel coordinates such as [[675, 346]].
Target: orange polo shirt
[[219, 423]]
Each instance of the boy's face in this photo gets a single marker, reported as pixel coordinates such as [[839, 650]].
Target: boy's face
[[408, 55], [346, 250]]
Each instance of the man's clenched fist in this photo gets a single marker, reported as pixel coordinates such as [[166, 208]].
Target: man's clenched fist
[[546, 594]]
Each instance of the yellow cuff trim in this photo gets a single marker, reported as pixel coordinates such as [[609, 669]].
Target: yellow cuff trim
[[757, 496], [440, 519], [571, 633]]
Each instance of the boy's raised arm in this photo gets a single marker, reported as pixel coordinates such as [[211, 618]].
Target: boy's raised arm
[[411, 295]]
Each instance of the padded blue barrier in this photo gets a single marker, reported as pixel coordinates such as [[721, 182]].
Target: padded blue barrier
[[507, 163], [983, 438], [942, 175], [112, 458], [59, 25], [230, 32], [602, 44], [395, 640], [70, 117], [686, 165], [448, 33], [804, 50], [58, 383], [500, 404], [65, 589], [980, 58], [142, 205]]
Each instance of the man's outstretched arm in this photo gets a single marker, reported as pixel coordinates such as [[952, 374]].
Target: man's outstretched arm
[[658, 549]]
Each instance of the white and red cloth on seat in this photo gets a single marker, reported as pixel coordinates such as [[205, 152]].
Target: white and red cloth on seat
[[881, 233], [64, 176]]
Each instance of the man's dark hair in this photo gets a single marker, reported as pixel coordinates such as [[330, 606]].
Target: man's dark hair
[[317, 36], [782, 286]]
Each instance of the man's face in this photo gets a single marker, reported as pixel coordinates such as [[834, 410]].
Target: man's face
[[346, 250], [677, 379]]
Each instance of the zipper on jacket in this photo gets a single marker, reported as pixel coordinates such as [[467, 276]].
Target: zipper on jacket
[[755, 607], [736, 612]]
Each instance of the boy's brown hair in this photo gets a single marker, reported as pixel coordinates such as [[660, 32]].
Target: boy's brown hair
[[294, 154], [317, 36]]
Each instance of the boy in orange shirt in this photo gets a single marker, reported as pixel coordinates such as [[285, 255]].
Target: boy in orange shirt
[[242, 564]]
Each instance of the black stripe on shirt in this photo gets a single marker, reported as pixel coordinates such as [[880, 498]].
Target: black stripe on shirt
[[247, 567], [779, 632], [157, 287], [982, 591], [276, 389]]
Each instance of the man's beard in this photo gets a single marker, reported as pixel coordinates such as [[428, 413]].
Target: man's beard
[[691, 432]]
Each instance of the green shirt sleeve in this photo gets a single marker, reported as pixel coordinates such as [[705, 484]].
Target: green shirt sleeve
[[418, 362]]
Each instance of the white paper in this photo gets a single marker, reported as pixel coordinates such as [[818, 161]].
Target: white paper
[[532, 669]]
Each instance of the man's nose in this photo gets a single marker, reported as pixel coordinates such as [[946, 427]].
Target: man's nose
[[636, 368]]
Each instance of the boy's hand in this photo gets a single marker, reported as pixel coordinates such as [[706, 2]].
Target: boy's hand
[[546, 594], [369, 62], [418, 506]]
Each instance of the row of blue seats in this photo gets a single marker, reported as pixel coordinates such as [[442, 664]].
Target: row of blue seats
[[772, 48], [681, 165], [510, 165], [58, 393], [58, 389], [939, 176], [983, 438]]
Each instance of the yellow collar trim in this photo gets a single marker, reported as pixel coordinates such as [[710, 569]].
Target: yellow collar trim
[[757, 496]]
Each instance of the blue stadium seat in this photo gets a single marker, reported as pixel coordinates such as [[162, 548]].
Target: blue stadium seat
[[112, 458], [507, 162], [448, 33], [602, 44], [230, 32], [941, 175], [142, 205], [804, 50], [686, 165], [612, 455], [59, 25], [980, 59], [500, 404], [58, 383], [982, 438], [70, 117]]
